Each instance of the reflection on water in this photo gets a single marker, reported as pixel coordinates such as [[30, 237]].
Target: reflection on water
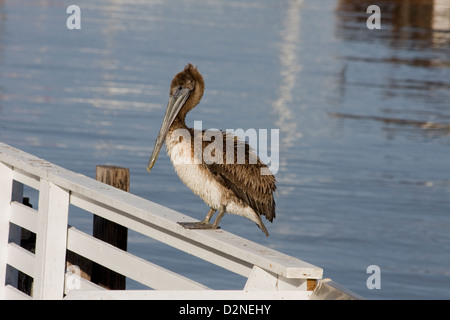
[[416, 37], [409, 23], [429, 128], [290, 68], [397, 80]]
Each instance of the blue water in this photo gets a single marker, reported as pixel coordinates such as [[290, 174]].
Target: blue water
[[359, 184]]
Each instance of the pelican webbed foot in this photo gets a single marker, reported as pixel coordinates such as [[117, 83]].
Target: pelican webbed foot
[[198, 225], [205, 224]]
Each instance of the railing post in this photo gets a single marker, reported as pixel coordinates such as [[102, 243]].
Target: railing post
[[51, 241], [260, 279], [109, 231], [5, 200], [15, 234]]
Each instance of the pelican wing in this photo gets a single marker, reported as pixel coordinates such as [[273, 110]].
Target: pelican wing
[[244, 178]]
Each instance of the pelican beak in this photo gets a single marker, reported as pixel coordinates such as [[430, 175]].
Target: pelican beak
[[176, 102]]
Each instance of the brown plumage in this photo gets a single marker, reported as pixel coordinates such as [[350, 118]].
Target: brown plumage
[[245, 180], [225, 184]]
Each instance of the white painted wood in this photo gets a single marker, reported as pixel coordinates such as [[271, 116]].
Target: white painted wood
[[261, 279], [5, 199], [21, 259], [51, 241], [228, 295], [291, 284], [175, 240], [15, 231], [75, 282], [12, 293], [128, 265], [25, 178], [215, 246], [266, 268], [24, 216]]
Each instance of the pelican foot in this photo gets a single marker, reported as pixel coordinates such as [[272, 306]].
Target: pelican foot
[[197, 225]]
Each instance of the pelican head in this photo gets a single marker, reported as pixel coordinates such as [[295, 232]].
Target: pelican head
[[185, 93]]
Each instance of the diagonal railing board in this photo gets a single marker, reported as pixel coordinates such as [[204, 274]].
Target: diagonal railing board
[[74, 281], [12, 293], [24, 216], [127, 264], [27, 179], [165, 220], [173, 239], [21, 259]]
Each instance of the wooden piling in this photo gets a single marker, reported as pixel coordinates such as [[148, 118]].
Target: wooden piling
[[109, 231]]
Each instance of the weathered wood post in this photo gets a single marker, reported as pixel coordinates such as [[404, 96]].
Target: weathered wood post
[[109, 231]]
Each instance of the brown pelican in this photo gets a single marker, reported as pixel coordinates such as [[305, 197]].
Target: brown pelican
[[236, 187]]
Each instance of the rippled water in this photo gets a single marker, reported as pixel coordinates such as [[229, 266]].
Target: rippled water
[[364, 119]]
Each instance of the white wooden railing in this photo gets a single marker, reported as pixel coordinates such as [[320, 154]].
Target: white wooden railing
[[270, 274]]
